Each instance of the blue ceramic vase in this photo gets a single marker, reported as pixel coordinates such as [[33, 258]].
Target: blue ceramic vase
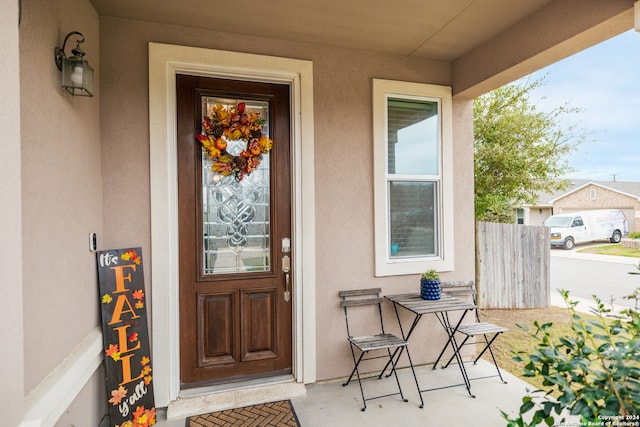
[[429, 289]]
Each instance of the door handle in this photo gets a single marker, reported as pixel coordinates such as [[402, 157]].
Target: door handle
[[286, 268]]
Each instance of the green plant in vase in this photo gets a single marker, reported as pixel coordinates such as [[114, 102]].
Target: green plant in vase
[[430, 285]]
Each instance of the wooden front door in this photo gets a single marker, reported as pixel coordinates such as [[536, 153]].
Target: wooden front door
[[235, 307]]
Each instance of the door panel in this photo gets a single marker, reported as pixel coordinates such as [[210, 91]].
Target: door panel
[[216, 320], [258, 319], [235, 322]]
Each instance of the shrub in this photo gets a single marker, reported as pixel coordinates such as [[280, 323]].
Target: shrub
[[634, 235], [431, 275], [594, 371]]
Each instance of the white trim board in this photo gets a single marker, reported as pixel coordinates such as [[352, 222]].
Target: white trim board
[[444, 261], [46, 403], [165, 61]]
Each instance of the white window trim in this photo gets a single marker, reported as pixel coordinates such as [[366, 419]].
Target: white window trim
[[444, 261]]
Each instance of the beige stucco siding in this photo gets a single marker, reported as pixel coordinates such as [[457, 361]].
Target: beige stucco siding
[[535, 215], [11, 307], [61, 187], [343, 153], [72, 166], [605, 199], [539, 215]]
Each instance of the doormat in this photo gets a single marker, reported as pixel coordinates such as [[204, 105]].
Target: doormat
[[279, 413]]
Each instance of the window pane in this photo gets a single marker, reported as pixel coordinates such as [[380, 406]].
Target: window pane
[[412, 137], [412, 220]]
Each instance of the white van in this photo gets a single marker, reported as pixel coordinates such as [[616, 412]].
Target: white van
[[578, 227]]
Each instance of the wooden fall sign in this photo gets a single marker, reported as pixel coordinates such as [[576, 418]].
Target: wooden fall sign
[[126, 338]]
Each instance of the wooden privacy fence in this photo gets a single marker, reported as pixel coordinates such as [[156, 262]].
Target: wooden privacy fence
[[513, 268]]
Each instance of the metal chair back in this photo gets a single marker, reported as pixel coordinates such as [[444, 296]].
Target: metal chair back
[[360, 298], [373, 342]]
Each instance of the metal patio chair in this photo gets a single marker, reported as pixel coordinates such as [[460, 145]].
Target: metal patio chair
[[380, 342], [488, 331]]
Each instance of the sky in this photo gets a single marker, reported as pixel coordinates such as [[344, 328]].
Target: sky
[[604, 82]]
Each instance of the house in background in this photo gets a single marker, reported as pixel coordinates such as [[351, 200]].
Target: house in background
[[585, 195], [346, 85], [536, 213]]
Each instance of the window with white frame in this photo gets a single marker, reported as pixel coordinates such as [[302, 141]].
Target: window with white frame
[[413, 164]]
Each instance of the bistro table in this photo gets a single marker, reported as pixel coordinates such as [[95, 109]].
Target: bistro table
[[441, 309]]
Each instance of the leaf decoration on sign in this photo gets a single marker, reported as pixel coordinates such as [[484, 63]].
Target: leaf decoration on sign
[[113, 352], [146, 370], [132, 255], [141, 418], [106, 299], [133, 337], [138, 294], [118, 395], [144, 417]]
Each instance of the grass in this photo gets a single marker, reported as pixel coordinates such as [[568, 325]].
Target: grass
[[516, 339], [615, 249]]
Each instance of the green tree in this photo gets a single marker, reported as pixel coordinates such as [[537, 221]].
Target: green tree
[[518, 150]]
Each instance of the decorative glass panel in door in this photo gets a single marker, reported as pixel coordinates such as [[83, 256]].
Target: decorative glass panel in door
[[236, 219]]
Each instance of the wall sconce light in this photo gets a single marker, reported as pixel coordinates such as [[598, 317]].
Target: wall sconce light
[[77, 74]]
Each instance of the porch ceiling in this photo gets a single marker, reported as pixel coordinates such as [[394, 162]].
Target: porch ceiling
[[433, 29]]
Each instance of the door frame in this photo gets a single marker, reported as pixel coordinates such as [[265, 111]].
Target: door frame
[[165, 61]]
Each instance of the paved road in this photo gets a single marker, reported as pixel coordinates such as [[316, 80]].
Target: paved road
[[587, 274]]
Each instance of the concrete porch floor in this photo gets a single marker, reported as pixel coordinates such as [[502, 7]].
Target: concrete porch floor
[[330, 404]]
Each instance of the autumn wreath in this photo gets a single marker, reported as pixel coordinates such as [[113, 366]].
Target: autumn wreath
[[231, 124]]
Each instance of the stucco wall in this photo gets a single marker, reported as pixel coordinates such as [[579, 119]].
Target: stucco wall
[[538, 215], [61, 194], [72, 148], [344, 161], [11, 333], [605, 199]]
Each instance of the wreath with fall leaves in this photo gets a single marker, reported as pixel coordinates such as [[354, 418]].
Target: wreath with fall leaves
[[234, 123]]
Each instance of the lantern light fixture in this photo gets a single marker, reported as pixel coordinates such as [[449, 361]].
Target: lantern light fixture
[[77, 74]]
